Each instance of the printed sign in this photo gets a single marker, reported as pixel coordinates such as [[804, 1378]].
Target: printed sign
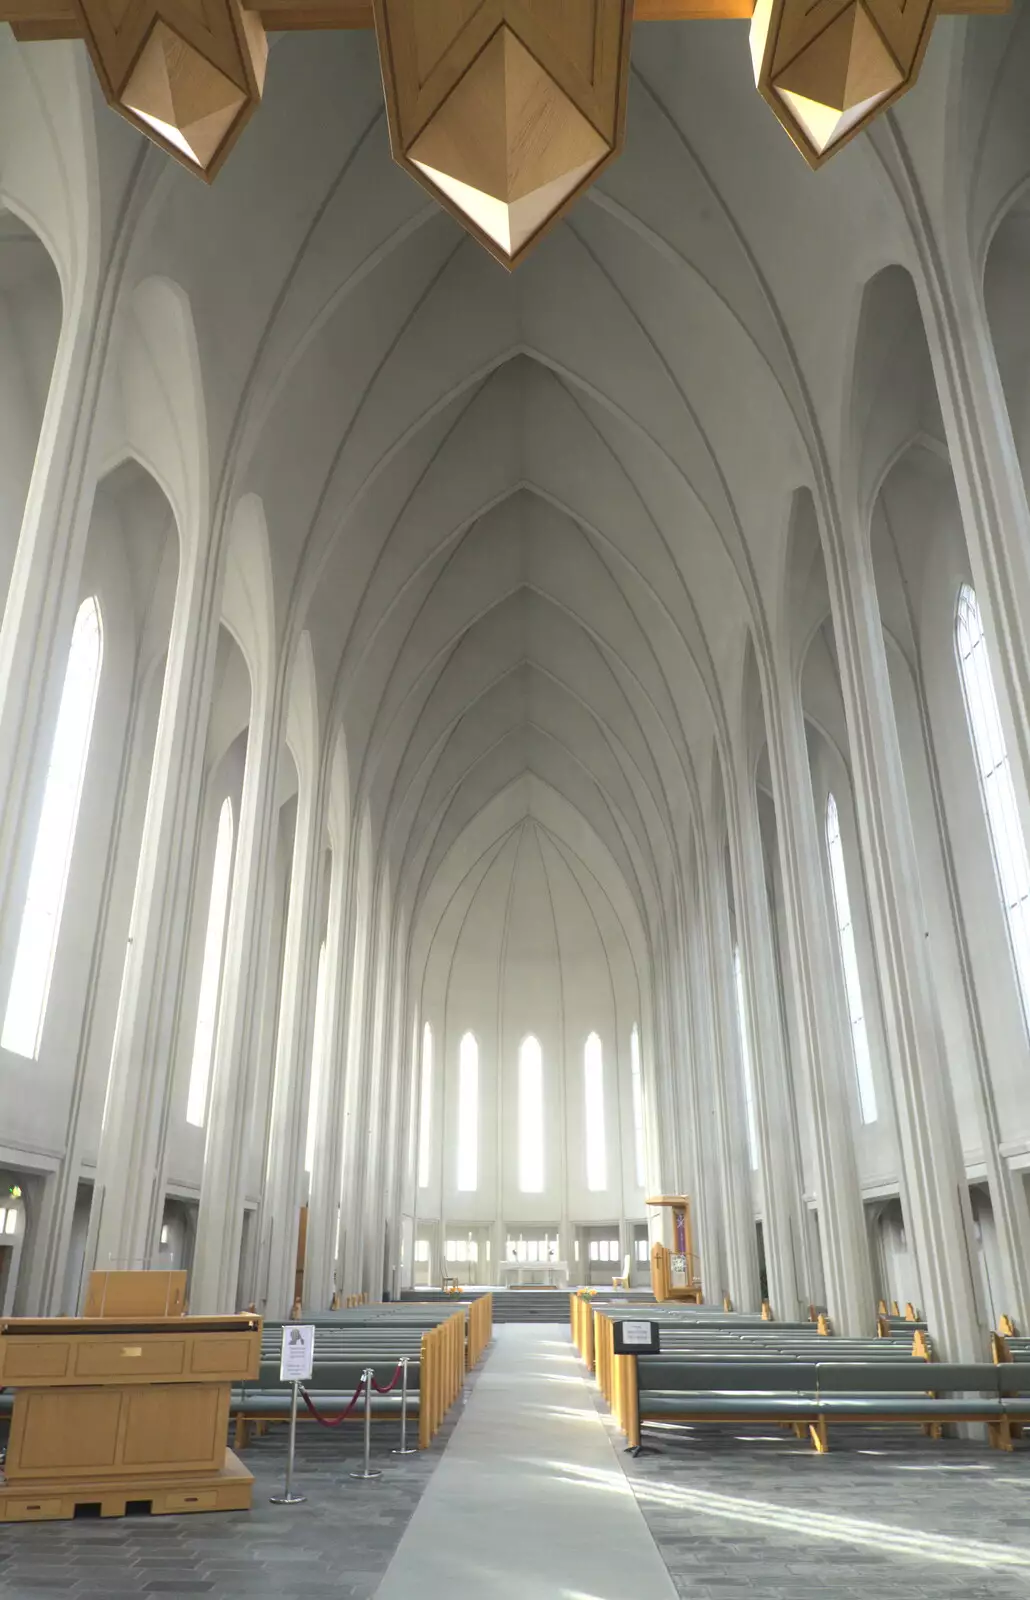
[[635, 1338], [298, 1355]]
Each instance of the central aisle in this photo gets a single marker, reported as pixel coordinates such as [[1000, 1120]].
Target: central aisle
[[504, 1516]]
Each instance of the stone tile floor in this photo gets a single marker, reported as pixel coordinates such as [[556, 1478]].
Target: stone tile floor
[[339, 1543], [888, 1512]]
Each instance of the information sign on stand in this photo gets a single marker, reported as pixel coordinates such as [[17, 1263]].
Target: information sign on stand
[[296, 1364], [630, 1338], [297, 1361]]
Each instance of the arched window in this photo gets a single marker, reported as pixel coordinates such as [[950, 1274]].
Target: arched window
[[996, 788], [637, 1082], [468, 1113], [531, 1116], [593, 1083], [55, 836], [317, 1059], [745, 1059], [211, 969], [425, 1109], [849, 961]]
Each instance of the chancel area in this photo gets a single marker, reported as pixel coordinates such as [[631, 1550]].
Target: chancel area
[[514, 799]]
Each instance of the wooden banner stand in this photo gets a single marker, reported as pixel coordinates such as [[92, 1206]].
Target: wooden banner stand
[[125, 1408]]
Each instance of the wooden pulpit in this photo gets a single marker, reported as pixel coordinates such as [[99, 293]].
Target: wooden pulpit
[[127, 1407], [674, 1266]]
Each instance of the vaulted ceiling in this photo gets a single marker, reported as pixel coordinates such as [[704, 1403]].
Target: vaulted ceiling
[[530, 522]]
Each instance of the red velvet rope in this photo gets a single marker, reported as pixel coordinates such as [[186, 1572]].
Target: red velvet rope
[[332, 1422], [392, 1383]]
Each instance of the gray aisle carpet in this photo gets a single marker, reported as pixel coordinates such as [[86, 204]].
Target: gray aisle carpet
[[530, 1501]]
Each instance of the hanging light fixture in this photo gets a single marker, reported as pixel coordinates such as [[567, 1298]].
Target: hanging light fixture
[[507, 109], [828, 69], [504, 110]]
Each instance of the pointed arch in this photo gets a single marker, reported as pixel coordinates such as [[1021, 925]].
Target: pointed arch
[[55, 837]]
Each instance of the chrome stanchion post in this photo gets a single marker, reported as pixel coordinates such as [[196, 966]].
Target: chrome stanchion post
[[404, 1448], [367, 1471], [288, 1498]]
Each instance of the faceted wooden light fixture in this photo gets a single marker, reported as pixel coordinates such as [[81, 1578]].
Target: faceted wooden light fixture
[[827, 69], [188, 75], [505, 110]]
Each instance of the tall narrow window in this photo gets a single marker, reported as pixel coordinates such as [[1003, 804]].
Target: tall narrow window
[[996, 788], [593, 1083], [531, 1116], [637, 1083], [745, 1057], [211, 970], [317, 1061], [425, 1108], [55, 836], [468, 1113], [849, 961]]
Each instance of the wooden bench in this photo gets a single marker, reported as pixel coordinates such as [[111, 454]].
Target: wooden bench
[[810, 1395]]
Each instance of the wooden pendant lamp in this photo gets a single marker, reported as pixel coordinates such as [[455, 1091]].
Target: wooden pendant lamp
[[505, 110]]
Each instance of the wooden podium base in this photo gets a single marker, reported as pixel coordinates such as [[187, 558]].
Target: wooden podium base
[[164, 1495]]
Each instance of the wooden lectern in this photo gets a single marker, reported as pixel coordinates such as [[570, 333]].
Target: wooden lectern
[[674, 1266], [125, 1407]]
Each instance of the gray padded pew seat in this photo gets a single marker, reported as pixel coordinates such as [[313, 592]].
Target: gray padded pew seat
[[817, 1393]]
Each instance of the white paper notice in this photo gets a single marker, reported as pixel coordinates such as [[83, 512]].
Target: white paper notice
[[636, 1333], [298, 1357]]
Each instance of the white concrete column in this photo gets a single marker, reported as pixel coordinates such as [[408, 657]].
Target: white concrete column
[[706, 1195], [128, 1198], [992, 495], [398, 1140], [356, 1103], [989, 484], [728, 1086], [779, 1172], [693, 1171], [664, 1070], [216, 1256], [372, 1179], [93, 1058], [320, 1264], [822, 1048], [935, 1189], [282, 1199]]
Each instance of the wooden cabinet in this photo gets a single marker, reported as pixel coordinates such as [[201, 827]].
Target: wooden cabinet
[[129, 1408], [152, 1429]]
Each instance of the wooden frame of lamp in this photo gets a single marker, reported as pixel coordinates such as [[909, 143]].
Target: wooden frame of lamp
[[190, 84]]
